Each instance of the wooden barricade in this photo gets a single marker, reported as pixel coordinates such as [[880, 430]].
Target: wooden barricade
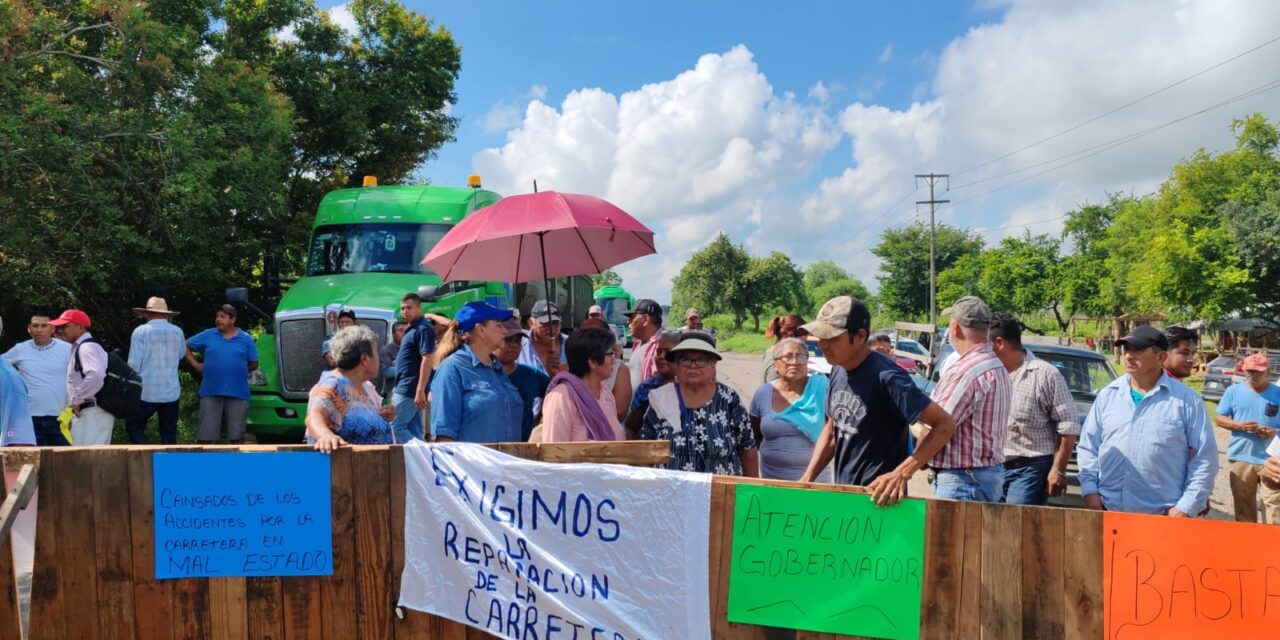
[[992, 571]]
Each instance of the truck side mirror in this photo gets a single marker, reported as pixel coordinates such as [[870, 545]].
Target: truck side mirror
[[429, 293], [238, 295]]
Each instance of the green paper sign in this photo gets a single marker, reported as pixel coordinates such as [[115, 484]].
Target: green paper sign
[[827, 562]]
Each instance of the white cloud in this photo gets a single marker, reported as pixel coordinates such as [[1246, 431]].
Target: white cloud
[[715, 148], [886, 54], [689, 156], [538, 92], [341, 16]]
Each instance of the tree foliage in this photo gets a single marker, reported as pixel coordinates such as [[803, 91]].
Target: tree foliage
[[725, 278], [607, 278], [904, 267], [161, 148]]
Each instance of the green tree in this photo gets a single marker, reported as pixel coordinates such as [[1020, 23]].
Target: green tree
[[1255, 233], [904, 267], [770, 282], [822, 272], [836, 288], [1082, 272], [711, 278], [607, 278], [162, 148]]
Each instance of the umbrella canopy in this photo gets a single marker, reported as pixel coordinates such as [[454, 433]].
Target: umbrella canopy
[[539, 236]]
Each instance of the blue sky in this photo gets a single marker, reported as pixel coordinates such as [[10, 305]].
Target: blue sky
[[797, 127]]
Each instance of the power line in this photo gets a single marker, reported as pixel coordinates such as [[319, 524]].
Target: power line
[[1121, 107], [1089, 152], [893, 206]]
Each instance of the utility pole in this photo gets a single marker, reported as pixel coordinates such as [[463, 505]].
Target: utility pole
[[932, 179]]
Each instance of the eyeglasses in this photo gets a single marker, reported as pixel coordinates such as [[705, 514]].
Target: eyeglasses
[[694, 363], [793, 357]]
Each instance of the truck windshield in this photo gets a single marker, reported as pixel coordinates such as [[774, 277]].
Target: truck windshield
[[375, 247], [613, 308]]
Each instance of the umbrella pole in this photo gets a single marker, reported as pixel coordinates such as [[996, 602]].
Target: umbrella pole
[[546, 279]]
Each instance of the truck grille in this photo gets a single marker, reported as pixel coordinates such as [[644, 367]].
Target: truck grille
[[301, 362]]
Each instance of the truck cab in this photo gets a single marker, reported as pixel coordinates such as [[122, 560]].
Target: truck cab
[[364, 255], [614, 301]]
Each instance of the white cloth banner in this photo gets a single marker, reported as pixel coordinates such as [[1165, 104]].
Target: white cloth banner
[[539, 551]]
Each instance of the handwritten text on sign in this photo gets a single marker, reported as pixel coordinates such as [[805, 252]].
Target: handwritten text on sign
[[826, 561], [1183, 578], [537, 551], [242, 514]]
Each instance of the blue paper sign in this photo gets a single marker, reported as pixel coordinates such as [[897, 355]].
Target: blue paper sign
[[221, 515]]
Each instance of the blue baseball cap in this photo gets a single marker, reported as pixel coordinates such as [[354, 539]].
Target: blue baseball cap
[[474, 313]]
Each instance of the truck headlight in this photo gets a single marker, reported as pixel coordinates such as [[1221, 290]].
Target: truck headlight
[[257, 379]]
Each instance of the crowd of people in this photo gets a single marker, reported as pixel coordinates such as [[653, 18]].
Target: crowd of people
[[1000, 426], [50, 385]]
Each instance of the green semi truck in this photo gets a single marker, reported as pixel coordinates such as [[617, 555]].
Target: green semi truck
[[364, 253], [614, 300]]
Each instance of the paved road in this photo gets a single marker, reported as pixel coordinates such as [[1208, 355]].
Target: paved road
[[743, 373]]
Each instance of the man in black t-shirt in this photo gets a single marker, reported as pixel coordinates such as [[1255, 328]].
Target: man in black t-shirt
[[870, 403]]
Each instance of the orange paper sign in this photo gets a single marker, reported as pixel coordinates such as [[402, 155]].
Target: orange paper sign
[[1184, 578]]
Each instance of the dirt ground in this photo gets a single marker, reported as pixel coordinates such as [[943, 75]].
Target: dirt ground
[[743, 373]]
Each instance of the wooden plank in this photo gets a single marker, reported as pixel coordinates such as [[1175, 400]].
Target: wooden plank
[[12, 458], [944, 567], [46, 610], [719, 493], [338, 597], [1042, 577], [228, 616], [633, 452], [728, 629], [264, 616], [968, 625], [914, 326], [152, 599], [10, 614], [78, 574], [114, 550], [16, 500], [1001, 613], [525, 450], [1082, 575], [191, 608], [444, 629], [409, 624], [372, 538]]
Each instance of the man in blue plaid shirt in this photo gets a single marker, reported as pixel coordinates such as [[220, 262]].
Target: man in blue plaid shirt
[[154, 352]]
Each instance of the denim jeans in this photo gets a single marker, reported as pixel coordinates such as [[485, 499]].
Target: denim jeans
[[1025, 482], [167, 423], [408, 422], [48, 432], [978, 484]]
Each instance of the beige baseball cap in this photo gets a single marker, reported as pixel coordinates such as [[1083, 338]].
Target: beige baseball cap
[[971, 312], [839, 315]]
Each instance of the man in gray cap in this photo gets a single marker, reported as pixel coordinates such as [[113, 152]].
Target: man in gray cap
[[978, 393], [870, 403], [544, 350]]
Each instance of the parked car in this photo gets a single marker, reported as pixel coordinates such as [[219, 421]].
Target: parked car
[[818, 364], [1086, 372], [1219, 374]]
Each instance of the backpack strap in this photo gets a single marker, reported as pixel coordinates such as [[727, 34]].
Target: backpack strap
[[75, 353]]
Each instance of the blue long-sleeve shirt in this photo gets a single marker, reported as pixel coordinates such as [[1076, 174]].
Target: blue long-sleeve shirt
[[474, 402], [1147, 456]]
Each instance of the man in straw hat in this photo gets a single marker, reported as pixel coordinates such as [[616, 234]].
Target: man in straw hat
[[154, 352]]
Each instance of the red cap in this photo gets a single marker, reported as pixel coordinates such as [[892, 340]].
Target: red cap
[[72, 315], [1256, 362]]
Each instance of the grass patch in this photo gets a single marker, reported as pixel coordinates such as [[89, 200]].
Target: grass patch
[[744, 342]]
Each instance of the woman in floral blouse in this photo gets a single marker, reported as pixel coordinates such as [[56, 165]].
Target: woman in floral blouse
[[703, 419], [345, 408]]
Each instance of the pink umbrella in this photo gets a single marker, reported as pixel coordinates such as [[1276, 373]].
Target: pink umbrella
[[539, 236]]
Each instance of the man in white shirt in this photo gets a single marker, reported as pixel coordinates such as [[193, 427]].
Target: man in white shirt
[[90, 424], [42, 363]]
